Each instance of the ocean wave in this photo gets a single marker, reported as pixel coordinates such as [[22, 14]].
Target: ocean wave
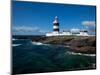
[[16, 44], [14, 39], [38, 43], [73, 53]]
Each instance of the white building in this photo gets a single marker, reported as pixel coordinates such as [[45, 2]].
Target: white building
[[83, 33], [76, 32]]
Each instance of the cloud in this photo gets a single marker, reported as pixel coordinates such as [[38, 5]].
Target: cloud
[[88, 23], [75, 30], [26, 30], [90, 26]]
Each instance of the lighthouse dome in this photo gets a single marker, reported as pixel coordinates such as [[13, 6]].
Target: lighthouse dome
[[56, 20]]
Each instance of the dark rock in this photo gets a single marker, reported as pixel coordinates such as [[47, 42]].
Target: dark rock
[[80, 44]]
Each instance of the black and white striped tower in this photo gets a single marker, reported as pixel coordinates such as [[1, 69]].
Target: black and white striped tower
[[56, 25]]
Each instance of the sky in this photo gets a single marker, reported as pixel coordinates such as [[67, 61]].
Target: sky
[[33, 18]]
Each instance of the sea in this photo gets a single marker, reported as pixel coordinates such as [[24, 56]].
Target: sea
[[36, 57]]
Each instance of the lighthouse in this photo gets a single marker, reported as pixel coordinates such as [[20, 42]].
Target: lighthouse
[[56, 30], [56, 25]]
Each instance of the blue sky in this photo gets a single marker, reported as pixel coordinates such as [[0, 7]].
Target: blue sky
[[36, 18]]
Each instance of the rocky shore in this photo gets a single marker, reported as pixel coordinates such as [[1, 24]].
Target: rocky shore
[[78, 44]]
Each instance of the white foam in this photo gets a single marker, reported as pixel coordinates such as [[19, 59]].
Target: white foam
[[38, 43], [73, 53], [16, 44], [14, 39]]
